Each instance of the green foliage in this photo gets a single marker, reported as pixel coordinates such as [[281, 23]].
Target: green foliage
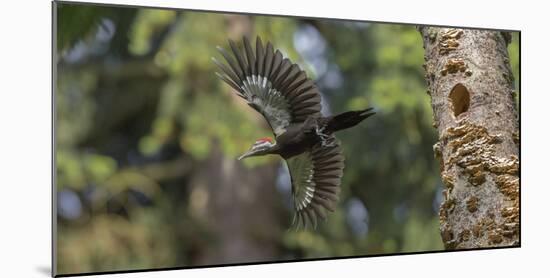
[[513, 52], [114, 243], [398, 83], [77, 169], [147, 24], [77, 22], [74, 97]]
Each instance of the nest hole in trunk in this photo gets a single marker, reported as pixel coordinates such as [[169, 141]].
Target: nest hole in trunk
[[460, 99]]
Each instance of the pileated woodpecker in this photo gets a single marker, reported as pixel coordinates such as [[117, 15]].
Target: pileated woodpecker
[[291, 104]]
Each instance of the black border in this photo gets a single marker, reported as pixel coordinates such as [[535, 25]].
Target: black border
[[53, 117], [282, 261], [53, 155]]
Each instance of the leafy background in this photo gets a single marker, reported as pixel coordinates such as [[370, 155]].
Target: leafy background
[[147, 139]]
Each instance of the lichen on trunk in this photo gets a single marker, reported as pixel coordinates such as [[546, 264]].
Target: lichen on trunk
[[472, 96]]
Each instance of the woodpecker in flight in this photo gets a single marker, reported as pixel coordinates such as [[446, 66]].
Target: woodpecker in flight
[[291, 104]]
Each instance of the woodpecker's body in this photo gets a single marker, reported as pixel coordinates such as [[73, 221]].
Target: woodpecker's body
[[300, 137], [291, 104]]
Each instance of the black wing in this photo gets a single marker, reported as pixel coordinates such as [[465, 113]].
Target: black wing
[[316, 176], [274, 86]]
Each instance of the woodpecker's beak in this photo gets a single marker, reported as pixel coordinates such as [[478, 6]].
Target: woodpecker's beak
[[245, 155]]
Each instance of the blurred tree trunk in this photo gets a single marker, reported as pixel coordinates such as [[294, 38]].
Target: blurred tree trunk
[[238, 205], [470, 83], [239, 208]]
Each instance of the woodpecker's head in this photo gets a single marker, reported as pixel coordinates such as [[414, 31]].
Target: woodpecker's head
[[261, 146]]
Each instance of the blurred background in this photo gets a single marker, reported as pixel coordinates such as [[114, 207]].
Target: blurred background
[[147, 139]]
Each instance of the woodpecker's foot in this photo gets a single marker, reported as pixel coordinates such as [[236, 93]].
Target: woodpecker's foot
[[324, 137]]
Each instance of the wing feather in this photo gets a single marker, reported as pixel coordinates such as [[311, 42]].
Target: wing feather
[[268, 62], [316, 178], [236, 69], [325, 203], [270, 83], [300, 80], [282, 73], [306, 97], [305, 104], [302, 114], [240, 59], [319, 211], [231, 83], [291, 77], [260, 57], [276, 66], [227, 71], [250, 56], [311, 217]]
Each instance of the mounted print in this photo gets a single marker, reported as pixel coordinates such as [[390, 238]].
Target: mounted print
[[188, 138]]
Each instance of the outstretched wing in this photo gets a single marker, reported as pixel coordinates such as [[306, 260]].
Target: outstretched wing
[[274, 86], [316, 176]]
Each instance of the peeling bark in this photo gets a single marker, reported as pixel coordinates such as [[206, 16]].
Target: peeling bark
[[470, 83]]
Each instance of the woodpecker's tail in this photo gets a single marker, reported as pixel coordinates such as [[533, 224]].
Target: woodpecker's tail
[[348, 119]]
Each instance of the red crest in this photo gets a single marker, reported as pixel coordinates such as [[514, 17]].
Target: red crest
[[265, 139]]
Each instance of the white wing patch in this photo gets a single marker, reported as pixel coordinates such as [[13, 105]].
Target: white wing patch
[[316, 177], [272, 104], [303, 186], [271, 84]]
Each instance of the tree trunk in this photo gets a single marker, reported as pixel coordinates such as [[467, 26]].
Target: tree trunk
[[470, 83], [238, 205]]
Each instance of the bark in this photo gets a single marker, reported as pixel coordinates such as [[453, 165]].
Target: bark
[[470, 84]]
